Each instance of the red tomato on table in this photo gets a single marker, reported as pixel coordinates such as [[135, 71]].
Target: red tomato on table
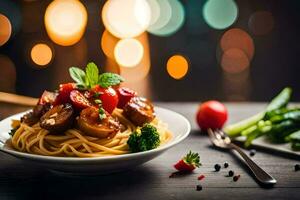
[[211, 114]]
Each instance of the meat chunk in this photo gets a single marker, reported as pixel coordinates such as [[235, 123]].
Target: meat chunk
[[139, 111], [34, 116], [29, 119], [90, 123], [58, 119]]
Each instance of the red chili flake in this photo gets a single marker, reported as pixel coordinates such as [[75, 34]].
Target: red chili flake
[[201, 177], [236, 178]]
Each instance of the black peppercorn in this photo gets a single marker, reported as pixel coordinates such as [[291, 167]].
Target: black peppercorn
[[252, 152], [199, 187], [297, 167], [226, 164], [217, 167], [230, 173]]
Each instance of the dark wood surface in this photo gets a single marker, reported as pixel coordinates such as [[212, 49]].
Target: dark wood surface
[[20, 180]]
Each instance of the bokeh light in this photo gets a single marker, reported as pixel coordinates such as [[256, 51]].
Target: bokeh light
[[7, 75], [112, 66], [41, 54], [140, 71], [220, 14], [11, 9], [5, 29], [108, 43], [161, 13], [65, 21], [171, 17], [126, 19], [234, 61], [239, 39], [177, 66], [261, 22], [128, 52], [155, 11]]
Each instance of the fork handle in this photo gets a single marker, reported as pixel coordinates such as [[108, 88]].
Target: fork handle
[[258, 172]]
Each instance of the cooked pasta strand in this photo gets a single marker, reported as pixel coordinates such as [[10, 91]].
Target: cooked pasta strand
[[74, 143]]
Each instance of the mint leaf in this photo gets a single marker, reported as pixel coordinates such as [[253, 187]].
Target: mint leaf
[[92, 74], [109, 79], [78, 75]]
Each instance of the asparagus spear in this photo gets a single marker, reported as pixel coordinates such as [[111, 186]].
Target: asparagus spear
[[280, 101], [294, 138]]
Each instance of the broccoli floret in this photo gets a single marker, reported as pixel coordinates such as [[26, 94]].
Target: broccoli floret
[[143, 139]]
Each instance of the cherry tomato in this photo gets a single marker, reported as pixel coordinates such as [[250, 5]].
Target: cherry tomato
[[211, 114], [78, 100], [64, 93], [89, 94], [108, 96], [124, 94]]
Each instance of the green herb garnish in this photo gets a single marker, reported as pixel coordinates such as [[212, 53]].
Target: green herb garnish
[[92, 74], [102, 114], [109, 79], [98, 101], [192, 159], [90, 77], [78, 75], [97, 94]]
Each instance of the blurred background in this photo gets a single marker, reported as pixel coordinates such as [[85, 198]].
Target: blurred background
[[167, 50]]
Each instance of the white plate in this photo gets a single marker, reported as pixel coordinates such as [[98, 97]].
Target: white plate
[[265, 143], [178, 125]]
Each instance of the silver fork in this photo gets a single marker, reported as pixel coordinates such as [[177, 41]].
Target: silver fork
[[221, 140]]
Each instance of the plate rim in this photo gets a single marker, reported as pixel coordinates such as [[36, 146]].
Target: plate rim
[[107, 158]]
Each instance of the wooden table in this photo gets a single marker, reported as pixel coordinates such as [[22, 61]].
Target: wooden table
[[19, 180]]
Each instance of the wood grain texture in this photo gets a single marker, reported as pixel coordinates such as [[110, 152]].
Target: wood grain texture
[[21, 180], [17, 99]]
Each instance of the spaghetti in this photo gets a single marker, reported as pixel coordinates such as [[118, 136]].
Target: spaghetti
[[74, 143]]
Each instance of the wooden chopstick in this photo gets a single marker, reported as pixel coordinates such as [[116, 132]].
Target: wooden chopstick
[[17, 99]]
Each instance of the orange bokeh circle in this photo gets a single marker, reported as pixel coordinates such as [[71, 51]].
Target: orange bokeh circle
[[177, 66], [238, 39], [5, 29], [234, 61], [108, 43]]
